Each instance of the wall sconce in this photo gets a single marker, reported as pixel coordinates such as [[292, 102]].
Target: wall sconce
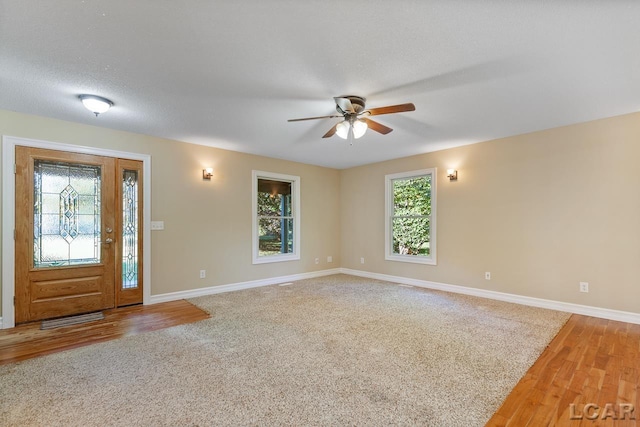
[[207, 174], [452, 174]]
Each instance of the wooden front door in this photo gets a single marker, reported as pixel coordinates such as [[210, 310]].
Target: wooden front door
[[69, 228]]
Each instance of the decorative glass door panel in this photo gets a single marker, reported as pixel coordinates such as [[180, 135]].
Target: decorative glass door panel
[[67, 214], [130, 229], [129, 248]]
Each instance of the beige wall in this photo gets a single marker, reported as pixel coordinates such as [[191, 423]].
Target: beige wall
[[207, 224], [541, 212]]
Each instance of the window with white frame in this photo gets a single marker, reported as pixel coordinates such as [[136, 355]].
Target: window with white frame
[[276, 217], [410, 223]]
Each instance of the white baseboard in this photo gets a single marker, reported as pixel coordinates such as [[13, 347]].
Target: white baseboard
[[604, 313], [172, 296]]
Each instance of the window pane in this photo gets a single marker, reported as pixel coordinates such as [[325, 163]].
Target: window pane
[[411, 236], [270, 205], [50, 224], [412, 196], [50, 203], [87, 204], [275, 236], [274, 198]]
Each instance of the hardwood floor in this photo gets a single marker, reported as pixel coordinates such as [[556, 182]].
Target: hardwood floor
[[28, 341], [587, 376]]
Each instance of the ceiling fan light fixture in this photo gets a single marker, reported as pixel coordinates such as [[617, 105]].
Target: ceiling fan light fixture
[[359, 128], [342, 129], [350, 108], [95, 104]]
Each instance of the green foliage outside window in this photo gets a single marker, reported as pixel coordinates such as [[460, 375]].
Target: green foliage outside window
[[411, 216], [275, 222]]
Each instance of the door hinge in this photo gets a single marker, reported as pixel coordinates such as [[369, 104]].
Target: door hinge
[[14, 234], [14, 300], [15, 168]]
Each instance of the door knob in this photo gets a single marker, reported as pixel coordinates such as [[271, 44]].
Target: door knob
[[109, 230], [108, 240]]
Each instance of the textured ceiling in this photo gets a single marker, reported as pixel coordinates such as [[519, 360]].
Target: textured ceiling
[[230, 73]]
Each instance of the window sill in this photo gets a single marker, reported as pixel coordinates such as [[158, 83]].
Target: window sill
[[411, 259], [276, 258]]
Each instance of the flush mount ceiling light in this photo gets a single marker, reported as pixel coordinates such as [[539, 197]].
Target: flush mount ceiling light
[[95, 104]]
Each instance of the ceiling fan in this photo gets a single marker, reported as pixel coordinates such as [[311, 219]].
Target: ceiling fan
[[356, 121]]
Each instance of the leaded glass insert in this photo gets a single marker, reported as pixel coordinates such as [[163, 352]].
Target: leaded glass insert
[[130, 229], [66, 214]]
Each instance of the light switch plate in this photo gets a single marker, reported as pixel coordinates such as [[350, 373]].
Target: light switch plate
[[157, 225]]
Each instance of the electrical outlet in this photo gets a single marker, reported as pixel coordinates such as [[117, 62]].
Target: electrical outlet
[[487, 275], [362, 260], [203, 274], [584, 287], [317, 260], [329, 258]]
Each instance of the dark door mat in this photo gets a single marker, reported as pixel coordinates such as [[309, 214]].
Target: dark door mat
[[71, 320]]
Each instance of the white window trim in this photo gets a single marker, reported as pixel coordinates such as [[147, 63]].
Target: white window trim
[[295, 191], [388, 229]]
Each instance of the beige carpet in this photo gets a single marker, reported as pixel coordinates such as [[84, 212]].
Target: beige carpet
[[337, 350]]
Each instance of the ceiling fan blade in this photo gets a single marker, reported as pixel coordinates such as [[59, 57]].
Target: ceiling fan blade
[[313, 118], [376, 126], [344, 104], [401, 108], [331, 132]]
